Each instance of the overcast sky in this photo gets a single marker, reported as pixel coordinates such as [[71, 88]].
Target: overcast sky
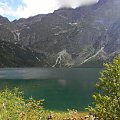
[[14, 9]]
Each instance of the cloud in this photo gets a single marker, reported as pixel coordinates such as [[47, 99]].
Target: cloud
[[5, 9], [28, 8], [75, 3], [33, 7]]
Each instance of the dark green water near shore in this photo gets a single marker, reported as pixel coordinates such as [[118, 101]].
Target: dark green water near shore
[[61, 88]]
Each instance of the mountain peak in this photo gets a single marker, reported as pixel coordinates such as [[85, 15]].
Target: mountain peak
[[4, 20]]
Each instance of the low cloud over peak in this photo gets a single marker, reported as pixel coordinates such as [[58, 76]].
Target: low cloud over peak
[[75, 3]]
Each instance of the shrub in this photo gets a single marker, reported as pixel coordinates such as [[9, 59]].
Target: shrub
[[107, 100], [13, 106]]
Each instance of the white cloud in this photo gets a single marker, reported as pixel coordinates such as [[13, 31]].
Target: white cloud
[[5, 9], [75, 3], [33, 7]]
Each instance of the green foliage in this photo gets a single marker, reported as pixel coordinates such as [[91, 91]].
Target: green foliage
[[11, 104], [14, 107], [107, 101]]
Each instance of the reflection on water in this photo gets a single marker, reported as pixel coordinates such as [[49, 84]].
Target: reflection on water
[[61, 88]]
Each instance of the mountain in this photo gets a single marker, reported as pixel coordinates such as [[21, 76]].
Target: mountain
[[15, 55], [83, 37], [4, 20]]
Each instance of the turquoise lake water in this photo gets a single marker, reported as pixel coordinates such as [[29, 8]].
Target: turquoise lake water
[[61, 88]]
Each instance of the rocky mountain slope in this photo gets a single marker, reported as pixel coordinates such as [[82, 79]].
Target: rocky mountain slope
[[85, 36], [15, 55]]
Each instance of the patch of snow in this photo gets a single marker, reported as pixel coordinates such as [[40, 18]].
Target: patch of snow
[[61, 32], [73, 24], [38, 59], [57, 27], [63, 17], [18, 35]]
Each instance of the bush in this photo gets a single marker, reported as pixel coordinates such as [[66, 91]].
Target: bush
[[14, 107], [107, 100]]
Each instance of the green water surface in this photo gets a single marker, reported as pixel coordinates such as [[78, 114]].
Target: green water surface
[[61, 88]]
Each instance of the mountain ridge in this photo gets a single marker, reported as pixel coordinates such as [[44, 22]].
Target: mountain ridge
[[70, 37]]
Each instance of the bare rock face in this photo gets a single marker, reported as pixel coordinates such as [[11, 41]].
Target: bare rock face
[[85, 36]]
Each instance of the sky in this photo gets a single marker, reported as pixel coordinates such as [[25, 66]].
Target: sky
[[15, 9]]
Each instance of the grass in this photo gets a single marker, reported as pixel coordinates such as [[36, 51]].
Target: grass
[[70, 115]]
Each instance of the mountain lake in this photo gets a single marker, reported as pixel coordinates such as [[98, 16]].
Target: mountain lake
[[61, 88]]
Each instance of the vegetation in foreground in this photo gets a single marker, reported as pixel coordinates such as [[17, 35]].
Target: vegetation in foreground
[[107, 101], [13, 106]]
